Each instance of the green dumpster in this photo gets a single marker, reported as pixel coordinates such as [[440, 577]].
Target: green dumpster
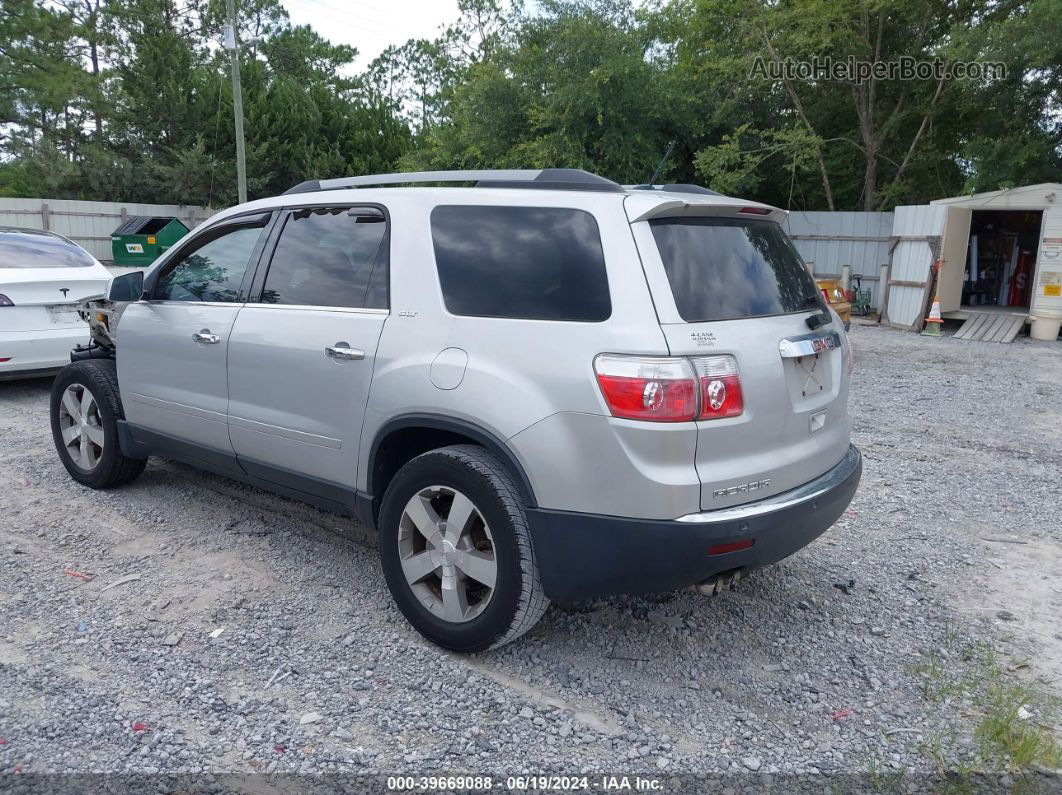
[[142, 238]]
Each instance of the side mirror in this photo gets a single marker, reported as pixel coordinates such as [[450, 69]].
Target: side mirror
[[127, 287]]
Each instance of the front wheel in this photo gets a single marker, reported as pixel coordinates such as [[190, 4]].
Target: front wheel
[[85, 409], [456, 550]]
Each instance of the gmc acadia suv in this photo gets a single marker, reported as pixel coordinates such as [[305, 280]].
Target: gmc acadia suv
[[539, 385]]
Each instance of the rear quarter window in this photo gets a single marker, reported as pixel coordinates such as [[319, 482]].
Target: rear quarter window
[[535, 263], [732, 268]]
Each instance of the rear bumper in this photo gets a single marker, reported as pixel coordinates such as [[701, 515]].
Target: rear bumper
[[38, 352], [583, 555]]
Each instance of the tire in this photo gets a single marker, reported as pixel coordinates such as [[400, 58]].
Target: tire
[[496, 529], [95, 466]]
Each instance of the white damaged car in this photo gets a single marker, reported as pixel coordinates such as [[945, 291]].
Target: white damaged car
[[43, 279]]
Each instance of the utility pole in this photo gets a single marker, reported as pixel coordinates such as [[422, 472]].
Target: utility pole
[[237, 101]]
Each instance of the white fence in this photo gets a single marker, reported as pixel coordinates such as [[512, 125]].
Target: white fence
[[833, 239], [89, 224]]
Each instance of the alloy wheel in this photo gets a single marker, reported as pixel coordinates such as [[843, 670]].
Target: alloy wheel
[[447, 553], [81, 426]]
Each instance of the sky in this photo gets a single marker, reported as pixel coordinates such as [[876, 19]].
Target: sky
[[372, 25]]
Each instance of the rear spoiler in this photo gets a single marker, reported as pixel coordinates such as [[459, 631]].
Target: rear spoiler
[[644, 207]]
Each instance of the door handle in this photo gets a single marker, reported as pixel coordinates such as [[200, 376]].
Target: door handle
[[206, 337], [343, 351]]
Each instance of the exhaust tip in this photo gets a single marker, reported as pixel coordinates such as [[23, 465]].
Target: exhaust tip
[[718, 583]]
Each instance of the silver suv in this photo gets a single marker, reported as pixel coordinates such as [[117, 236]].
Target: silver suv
[[540, 385]]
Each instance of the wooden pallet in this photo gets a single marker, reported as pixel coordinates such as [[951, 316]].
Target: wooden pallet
[[991, 327]]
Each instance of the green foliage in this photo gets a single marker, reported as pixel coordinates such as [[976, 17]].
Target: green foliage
[[733, 168], [575, 86], [150, 117], [131, 99]]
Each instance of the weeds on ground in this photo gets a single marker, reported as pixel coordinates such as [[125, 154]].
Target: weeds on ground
[[1012, 741], [953, 778], [884, 779], [1014, 724]]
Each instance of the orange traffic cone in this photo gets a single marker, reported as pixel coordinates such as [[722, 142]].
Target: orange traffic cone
[[934, 321]]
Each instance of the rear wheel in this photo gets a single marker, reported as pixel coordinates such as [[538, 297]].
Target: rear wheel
[[85, 409], [456, 550]]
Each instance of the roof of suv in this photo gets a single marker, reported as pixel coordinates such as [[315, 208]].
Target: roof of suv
[[643, 201]]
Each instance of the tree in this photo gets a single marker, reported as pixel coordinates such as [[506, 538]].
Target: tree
[[149, 81], [39, 76], [576, 87], [1008, 131], [130, 99]]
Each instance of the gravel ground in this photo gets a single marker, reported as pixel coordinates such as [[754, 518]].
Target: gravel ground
[[260, 637]]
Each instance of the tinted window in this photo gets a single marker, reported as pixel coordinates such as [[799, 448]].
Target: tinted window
[[39, 250], [541, 263], [726, 268], [330, 257], [213, 271]]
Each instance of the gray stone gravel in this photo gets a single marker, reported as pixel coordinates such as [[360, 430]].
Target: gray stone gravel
[[315, 671]]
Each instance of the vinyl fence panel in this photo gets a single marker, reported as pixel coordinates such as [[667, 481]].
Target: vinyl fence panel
[[89, 224], [833, 239]]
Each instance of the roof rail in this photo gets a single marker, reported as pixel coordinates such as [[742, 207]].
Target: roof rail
[[544, 179], [677, 188]]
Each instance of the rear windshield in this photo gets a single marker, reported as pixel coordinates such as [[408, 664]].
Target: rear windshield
[[29, 250], [730, 268]]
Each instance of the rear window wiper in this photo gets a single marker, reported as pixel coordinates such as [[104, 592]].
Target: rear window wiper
[[816, 320]]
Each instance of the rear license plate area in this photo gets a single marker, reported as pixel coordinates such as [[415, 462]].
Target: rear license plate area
[[63, 314]]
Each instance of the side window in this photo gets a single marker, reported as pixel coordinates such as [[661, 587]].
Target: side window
[[537, 263], [330, 257], [213, 270]]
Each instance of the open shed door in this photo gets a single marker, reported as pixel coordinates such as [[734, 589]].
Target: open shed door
[[916, 235], [954, 251]]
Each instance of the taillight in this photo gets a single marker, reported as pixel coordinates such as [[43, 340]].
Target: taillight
[[644, 388], [670, 389], [755, 210], [720, 387], [825, 295], [5, 301]]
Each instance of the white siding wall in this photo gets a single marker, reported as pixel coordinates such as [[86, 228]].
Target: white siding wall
[[833, 239], [1048, 265], [89, 224]]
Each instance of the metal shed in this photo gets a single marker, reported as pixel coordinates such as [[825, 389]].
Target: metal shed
[[142, 238], [1000, 257]]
